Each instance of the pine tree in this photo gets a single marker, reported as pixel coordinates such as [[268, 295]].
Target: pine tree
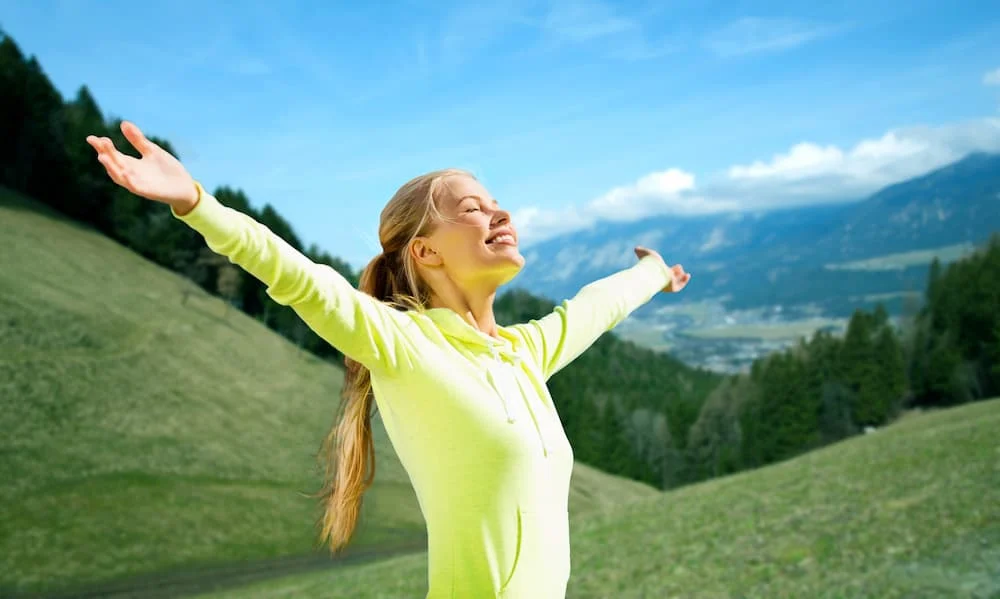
[[858, 362], [944, 380], [616, 454], [715, 438], [891, 375], [995, 353]]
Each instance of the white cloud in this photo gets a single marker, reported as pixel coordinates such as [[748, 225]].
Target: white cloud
[[632, 201], [751, 35], [807, 173], [668, 191], [808, 160], [534, 224], [992, 77]]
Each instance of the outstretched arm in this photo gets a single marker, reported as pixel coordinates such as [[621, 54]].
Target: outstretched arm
[[357, 324], [561, 336]]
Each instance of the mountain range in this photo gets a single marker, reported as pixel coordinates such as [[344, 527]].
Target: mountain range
[[814, 264]]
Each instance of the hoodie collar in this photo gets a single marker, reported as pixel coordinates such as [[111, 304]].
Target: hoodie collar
[[452, 325]]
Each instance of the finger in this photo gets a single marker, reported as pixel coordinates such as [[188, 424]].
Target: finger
[[113, 170], [106, 148], [136, 138], [116, 167]]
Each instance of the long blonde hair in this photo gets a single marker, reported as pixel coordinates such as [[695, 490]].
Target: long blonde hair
[[348, 451]]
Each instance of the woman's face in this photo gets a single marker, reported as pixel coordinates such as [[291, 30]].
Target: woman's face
[[475, 242]]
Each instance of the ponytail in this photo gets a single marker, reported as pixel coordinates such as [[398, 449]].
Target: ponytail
[[391, 277], [349, 447]]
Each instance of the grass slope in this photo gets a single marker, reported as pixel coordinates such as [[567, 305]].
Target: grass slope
[[910, 511], [144, 435]]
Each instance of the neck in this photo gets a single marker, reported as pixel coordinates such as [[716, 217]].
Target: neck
[[475, 307]]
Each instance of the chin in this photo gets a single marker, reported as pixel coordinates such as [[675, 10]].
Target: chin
[[506, 265]]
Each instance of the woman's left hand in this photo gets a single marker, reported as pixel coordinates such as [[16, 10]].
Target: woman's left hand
[[680, 279]]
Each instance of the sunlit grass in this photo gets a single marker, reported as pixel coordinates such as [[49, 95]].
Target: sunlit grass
[[910, 511]]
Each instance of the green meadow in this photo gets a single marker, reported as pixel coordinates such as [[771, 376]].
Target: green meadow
[[148, 428], [152, 434]]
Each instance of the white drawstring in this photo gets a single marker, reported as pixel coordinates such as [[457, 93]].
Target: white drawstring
[[503, 395], [493, 382]]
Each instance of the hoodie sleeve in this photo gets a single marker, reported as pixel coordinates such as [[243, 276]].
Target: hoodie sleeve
[[363, 328], [573, 326]]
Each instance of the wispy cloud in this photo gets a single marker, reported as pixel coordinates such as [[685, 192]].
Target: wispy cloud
[[992, 77], [639, 49], [585, 20], [806, 173], [471, 28], [572, 24], [754, 35]]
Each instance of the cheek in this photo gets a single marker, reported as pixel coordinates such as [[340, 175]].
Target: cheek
[[460, 246]]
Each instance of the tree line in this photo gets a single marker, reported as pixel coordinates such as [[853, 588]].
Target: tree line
[[626, 409], [677, 426]]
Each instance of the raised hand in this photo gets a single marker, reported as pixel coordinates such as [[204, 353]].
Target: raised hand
[[156, 176], [680, 279]]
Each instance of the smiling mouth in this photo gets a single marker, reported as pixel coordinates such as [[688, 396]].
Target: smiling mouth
[[502, 239]]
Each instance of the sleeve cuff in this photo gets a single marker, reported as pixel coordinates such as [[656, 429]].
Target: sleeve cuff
[[657, 270], [209, 216]]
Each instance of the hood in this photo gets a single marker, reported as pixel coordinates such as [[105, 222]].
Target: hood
[[452, 325], [502, 350]]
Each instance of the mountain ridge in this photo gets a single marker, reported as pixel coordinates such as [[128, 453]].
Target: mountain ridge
[[950, 205]]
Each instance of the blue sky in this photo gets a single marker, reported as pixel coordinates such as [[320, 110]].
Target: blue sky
[[568, 111]]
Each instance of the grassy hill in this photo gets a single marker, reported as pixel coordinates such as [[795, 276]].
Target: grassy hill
[[912, 510], [149, 429]]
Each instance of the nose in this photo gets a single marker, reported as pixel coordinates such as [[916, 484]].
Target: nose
[[500, 217]]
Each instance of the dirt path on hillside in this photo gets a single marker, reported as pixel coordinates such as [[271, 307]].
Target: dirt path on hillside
[[187, 583]]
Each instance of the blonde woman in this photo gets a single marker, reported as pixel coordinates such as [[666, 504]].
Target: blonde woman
[[464, 400]]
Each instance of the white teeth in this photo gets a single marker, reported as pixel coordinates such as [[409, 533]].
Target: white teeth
[[505, 238]]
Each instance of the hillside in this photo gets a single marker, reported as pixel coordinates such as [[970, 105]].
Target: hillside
[[910, 511], [150, 428]]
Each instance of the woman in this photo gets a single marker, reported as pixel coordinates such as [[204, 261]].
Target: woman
[[463, 400]]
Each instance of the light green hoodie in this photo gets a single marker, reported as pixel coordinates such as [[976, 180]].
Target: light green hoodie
[[469, 415]]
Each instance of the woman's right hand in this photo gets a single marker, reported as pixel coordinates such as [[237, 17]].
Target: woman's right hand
[[156, 176]]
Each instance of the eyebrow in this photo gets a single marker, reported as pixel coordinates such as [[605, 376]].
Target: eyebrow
[[473, 196]]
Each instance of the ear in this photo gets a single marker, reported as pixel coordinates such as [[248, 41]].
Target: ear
[[423, 253]]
